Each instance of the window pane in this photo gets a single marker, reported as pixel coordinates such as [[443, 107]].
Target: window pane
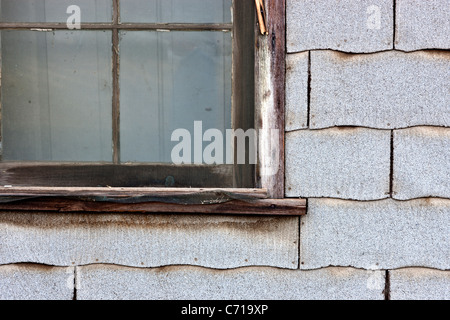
[[168, 80], [187, 11], [56, 95], [54, 10]]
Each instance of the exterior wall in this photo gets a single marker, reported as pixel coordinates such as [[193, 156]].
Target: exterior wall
[[367, 143], [370, 146]]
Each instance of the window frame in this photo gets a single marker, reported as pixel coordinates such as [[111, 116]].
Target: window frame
[[267, 196]]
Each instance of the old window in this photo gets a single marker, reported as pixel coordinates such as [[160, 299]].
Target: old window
[[102, 95]]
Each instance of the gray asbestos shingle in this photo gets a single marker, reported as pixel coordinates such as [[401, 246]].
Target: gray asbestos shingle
[[348, 163], [421, 163], [384, 234], [422, 24], [383, 90], [419, 284], [297, 91], [32, 282], [192, 283], [141, 240], [350, 26]]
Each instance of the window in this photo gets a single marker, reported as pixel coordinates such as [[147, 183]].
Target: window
[[98, 96]]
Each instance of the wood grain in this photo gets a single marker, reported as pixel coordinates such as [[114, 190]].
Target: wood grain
[[109, 175], [283, 207], [123, 192], [270, 99]]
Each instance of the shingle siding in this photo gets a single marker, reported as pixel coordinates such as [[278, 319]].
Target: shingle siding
[[36, 282], [384, 90], [149, 240], [347, 163], [350, 26], [422, 24], [373, 156], [419, 284], [385, 234], [421, 163], [191, 283]]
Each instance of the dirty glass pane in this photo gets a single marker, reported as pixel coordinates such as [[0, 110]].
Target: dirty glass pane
[[168, 80], [56, 95], [181, 11], [54, 10]]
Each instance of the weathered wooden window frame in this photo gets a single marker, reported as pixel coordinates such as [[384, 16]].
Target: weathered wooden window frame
[[267, 198]]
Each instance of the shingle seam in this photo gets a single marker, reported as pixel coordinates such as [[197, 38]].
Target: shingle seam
[[371, 52], [371, 128], [262, 267], [394, 20]]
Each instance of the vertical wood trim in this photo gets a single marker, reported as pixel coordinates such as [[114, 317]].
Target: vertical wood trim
[[270, 98]]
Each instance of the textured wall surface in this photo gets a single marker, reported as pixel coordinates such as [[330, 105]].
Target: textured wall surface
[[385, 90], [148, 240], [370, 150], [422, 24], [367, 144], [421, 162], [348, 163], [350, 26], [385, 234], [419, 284], [36, 282], [99, 282]]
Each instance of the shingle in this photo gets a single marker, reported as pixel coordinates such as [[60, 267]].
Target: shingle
[[192, 283], [297, 91], [351, 26], [384, 234], [419, 284], [421, 163], [33, 282], [141, 240], [422, 24], [348, 163], [383, 90]]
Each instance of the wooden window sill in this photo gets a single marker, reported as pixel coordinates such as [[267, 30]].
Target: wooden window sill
[[148, 200]]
